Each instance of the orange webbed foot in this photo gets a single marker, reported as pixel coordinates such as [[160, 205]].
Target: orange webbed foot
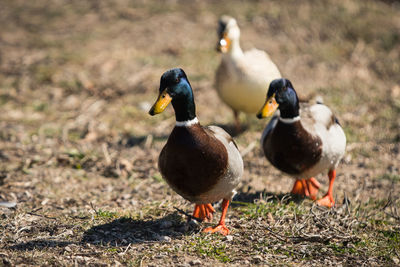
[[313, 187], [326, 201], [306, 188], [298, 188], [221, 228], [203, 212]]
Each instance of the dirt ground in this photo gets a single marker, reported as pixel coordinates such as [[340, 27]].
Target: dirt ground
[[79, 151]]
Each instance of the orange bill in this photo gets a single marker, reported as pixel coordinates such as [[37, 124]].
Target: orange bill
[[224, 44]]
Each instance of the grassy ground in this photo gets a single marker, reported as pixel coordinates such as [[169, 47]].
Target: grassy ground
[[79, 152]]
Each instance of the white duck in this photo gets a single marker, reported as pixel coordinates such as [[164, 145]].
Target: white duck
[[241, 78]]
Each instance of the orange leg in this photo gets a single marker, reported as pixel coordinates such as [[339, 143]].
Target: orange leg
[[327, 200], [306, 187], [298, 188], [196, 212], [313, 187], [221, 227], [210, 208], [203, 211]]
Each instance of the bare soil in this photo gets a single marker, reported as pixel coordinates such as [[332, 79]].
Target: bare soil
[[79, 151]]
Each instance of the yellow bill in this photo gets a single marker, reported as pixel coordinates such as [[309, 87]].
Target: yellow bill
[[269, 107], [224, 44], [162, 102]]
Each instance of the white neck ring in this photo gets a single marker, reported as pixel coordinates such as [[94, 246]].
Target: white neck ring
[[187, 123], [289, 120]]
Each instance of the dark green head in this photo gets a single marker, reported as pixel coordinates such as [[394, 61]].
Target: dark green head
[[175, 88], [281, 95]]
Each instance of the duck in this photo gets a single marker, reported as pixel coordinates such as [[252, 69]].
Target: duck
[[241, 77], [301, 140], [201, 164]]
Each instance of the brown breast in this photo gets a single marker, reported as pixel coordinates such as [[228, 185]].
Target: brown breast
[[291, 149], [192, 161]]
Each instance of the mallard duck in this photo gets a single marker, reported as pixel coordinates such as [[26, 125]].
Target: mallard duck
[[301, 141], [241, 78], [202, 164]]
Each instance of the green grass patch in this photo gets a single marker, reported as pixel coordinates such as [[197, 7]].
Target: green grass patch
[[44, 73], [251, 210], [341, 249], [104, 214], [75, 154], [112, 250], [157, 177], [40, 106], [205, 245], [390, 177]]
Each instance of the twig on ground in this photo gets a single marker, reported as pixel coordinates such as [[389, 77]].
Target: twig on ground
[[280, 237], [91, 205], [311, 238], [188, 215], [39, 215], [248, 149], [346, 203], [149, 141], [106, 154], [393, 216], [127, 248]]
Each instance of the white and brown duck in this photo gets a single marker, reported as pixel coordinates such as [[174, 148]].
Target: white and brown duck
[[202, 164], [301, 141]]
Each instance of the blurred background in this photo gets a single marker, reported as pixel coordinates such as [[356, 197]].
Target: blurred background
[[78, 77]]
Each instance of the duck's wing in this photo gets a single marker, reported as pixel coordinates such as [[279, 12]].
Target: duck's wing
[[220, 134], [320, 114], [317, 117], [258, 63], [255, 66], [234, 157], [319, 120]]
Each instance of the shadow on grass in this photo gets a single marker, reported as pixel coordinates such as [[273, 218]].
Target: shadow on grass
[[123, 231], [128, 140], [266, 196], [40, 244], [119, 233]]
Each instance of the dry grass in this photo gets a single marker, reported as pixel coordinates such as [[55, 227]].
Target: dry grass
[[78, 150]]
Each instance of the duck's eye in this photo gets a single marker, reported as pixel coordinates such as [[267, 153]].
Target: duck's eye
[[177, 80]]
